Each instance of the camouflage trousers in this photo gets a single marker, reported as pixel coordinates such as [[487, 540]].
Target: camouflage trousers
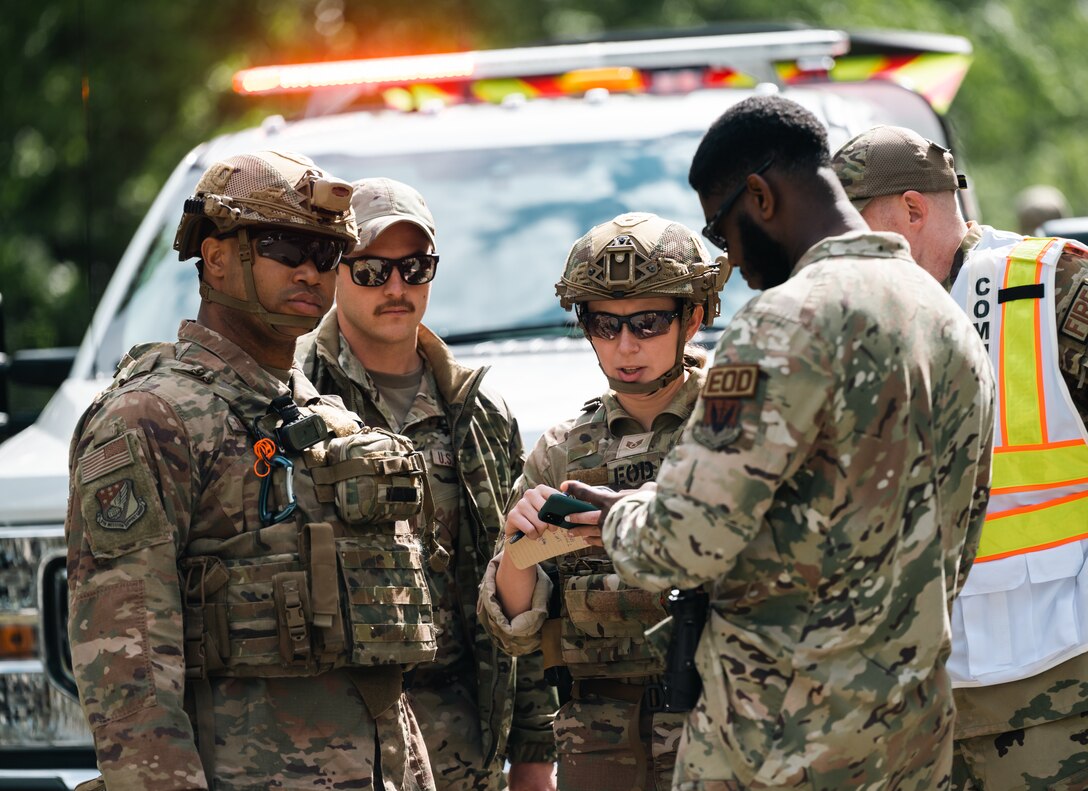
[[311, 733], [1025, 735], [449, 719], [605, 744]]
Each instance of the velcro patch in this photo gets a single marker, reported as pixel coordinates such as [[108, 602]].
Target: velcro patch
[[595, 477], [111, 456], [633, 444], [442, 457], [731, 381], [1076, 318]]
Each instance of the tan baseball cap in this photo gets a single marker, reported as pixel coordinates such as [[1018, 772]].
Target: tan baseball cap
[[889, 160], [381, 202]]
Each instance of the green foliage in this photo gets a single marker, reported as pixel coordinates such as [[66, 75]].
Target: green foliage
[[102, 99]]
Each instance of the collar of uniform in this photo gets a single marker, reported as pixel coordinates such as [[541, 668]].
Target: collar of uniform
[[856, 244], [677, 411], [237, 363], [967, 244]]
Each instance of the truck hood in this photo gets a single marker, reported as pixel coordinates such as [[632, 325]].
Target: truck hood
[[34, 463], [564, 373]]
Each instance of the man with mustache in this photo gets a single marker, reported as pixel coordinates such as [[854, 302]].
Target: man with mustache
[[374, 352], [214, 642]]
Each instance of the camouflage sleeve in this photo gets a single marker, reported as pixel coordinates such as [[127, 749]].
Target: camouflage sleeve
[[128, 510], [756, 417], [1071, 300], [535, 704], [521, 635]]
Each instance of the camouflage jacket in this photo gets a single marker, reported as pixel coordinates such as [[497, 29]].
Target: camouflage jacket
[[829, 490], [602, 617], [163, 473], [515, 704]]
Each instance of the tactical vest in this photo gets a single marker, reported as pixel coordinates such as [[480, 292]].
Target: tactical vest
[[1020, 612], [602, 618], [340, 583]]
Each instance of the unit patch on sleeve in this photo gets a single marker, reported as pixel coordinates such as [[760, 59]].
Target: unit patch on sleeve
[[731, 381], [119, 498], [726, 389], [1075, 324]]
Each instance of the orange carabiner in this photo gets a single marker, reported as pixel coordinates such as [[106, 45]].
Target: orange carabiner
[[265, 450]]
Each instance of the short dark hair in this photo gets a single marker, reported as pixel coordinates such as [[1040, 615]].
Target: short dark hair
[[749, 133]]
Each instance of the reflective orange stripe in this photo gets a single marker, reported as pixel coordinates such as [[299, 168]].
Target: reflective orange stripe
[[1026, 461], [1034, 527], [1023, 468]]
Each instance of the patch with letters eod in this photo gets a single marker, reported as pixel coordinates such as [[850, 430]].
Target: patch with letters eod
[[724, 392], [1075, 324]]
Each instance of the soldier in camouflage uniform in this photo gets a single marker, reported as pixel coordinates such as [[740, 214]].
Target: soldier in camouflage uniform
[[245, 586], [1019, 660], [641, 285], [828, 489], [373, 352]]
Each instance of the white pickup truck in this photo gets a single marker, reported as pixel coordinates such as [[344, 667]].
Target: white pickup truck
[[518, 153]]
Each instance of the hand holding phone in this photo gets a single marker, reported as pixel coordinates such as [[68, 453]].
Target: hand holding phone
[[558, 506]]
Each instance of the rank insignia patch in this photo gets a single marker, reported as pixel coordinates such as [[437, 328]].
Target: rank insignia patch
[[119, 507], [1075, 324], [731, 381]]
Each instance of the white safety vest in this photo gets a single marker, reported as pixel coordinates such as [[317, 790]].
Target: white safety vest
[[1024, 608]]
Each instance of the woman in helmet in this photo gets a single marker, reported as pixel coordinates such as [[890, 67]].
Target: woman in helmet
[[640, 286]]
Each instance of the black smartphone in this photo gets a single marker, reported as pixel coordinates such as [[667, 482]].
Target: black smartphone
[[557, 506]]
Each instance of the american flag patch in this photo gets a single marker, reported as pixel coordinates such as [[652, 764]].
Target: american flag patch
[[112, 456]]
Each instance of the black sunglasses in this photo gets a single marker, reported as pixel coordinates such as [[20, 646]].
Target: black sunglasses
[[373, 270], [644, 324], [295, 249], [710, 230]]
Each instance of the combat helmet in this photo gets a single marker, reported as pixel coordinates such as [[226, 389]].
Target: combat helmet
[[639, 254], [264, 190]]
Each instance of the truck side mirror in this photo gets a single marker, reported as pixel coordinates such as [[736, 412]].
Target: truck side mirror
[[35, 367], [56, 653]]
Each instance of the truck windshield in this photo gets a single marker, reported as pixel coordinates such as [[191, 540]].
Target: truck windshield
[[506, 220]]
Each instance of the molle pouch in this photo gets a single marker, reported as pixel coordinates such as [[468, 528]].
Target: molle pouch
[[389, 602], [372, 477], [602, 634]]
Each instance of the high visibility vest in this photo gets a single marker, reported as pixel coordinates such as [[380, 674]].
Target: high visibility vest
[[1024, 608]]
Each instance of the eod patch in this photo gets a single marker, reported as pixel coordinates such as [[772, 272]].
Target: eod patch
[[724, 392]]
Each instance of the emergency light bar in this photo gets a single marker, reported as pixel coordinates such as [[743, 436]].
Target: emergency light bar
[[754, 53]]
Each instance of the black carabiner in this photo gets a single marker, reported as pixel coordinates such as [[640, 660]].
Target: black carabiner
[[268, 518]]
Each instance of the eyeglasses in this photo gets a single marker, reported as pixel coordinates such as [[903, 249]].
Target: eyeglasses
[[373, 270], [294, 249], [644, 324], [710, 230]]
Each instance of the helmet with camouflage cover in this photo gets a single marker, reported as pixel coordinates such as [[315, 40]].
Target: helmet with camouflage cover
[[639, 254], [264, 190]]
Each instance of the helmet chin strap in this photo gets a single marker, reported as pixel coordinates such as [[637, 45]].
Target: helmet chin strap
[[252, 304], [671, 375]]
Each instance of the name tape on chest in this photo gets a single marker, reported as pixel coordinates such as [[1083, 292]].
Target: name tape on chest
[[731, 381], [1075, 324]]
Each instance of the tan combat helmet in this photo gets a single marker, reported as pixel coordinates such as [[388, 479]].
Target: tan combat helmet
[[642, 255], [264, 190]]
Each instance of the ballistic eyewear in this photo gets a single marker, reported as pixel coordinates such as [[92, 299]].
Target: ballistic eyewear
[[373, 270], [710, 230], [294, 249], [644, 324]]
